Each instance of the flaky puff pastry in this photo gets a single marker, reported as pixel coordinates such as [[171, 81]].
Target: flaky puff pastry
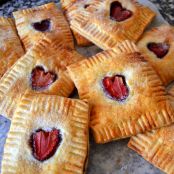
[[158, 46], [42, 69], [10, 46], [126, 95], [157, 147], [71, 8], [33, 23], [96, 23], [47, 113]]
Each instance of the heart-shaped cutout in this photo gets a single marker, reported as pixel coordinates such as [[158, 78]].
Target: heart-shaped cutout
[[86, 6], [40, 79], [159, 49], [116, 87], [45, 143], [118, 13], [42, 26]]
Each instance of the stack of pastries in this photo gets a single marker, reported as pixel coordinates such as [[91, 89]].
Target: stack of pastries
[[123, 90]]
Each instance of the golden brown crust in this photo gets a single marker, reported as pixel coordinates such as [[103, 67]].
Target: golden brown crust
[[164, 66], [71, 8], [156, 147], [111, 119], [44, 112], [65, 4], [95, 23], [52, 55], [25, 18], [10, 46], [80, 40]]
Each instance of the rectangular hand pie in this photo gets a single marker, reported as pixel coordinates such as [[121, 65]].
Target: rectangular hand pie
[[157, 147], [158, 46], [126, 95], [48, 135], [71, 7], [33, 23], [10, 46], [108, 22], [42, 69]]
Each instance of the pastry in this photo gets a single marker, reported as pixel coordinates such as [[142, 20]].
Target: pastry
[[48, 135], [65, 4], [157, 146], [42, 69], [158, 46], [108, 22], [125, 93], [10, 46], [71, 8], [33, 23]]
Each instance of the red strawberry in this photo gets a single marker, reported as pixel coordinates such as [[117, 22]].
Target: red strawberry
[[116, 87], [45, 143], [160, 49], [118, 13], [41, 79]]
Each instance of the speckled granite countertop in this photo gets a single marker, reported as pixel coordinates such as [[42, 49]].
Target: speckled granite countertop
[[166, 7], [114, 157]]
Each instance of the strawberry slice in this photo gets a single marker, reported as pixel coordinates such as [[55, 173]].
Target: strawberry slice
[[116, 87], [118, 13], [42, 26], [41, 79], [160, 49], [45, 143]]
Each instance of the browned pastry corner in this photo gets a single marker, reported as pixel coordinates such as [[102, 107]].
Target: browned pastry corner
[[105, 23], [33, 23], [71, 8], [158, 46], [125, 93], [48, 134], [10, 46], [42, 69], [157, 147], [65, 4]]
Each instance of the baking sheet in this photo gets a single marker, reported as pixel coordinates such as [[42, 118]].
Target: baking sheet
[[110, 158]]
